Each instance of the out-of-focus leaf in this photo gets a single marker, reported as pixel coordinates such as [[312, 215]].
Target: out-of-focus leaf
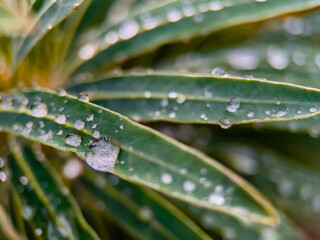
[[229, 228], [158, 23], [7, 231], [142, 213], [146, 156], [291, 186], [46, 203], [53, 14], [202, 99]]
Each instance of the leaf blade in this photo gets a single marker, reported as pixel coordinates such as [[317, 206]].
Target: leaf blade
[[138, 144], [200, 99]]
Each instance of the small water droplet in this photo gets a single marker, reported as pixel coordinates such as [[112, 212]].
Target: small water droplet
[[96, 134], [83, 96], [61, 119], [233, 105], [189, 186], [225, 123], [62, 92], [76, 6], [145, 213], [23, 180], [147, 94], [128, 29], [73, 139], [39, 109], [79, 124], [312, 109], [72, 169], [216, 199], [38, 231], [250, 114], [166, 178], [102, 154], [90, 117], [280, 114], [218, 72]]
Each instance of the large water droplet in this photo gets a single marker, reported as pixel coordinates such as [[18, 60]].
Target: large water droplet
[[73, 139], [102, 154], [39, 109]]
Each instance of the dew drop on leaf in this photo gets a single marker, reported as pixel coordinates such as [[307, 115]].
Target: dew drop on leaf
[[225, 123], [189, 186], [61, 119], [73, 139], [102, 154], [250, 114], [79, 124], [233, 105], [83, 96], [218, 72], [39, 109]]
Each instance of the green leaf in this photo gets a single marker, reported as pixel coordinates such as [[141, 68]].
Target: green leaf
[[142, 213], [46, 203], [202, 99], [230, 228], [146, 156], [291, 185], [175, 21], [53, 14]]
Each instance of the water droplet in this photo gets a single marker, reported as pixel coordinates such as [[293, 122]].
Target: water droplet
[[76, 6], [83, 96], [216, 199], [72, 169], [243, 59], [173, 94], [174, 15], [62, 92], [166, 178], [293, 25], [87, 51], [145, 213], [164, 102], [24, 180], [121, 127], [172, 115], [147, 94], [90, 117], [250, 114], [216, 5], [61, 119], [233, 105], [102, 154], [3, 177], [79, 124], [312, 109], [73, 139], [39, 109], [96, 134], [60, 132], [277, 57], [280, 114], [128, 29], [189, 186], [218, 72], [181, 98], [38, 231], [225, 123]]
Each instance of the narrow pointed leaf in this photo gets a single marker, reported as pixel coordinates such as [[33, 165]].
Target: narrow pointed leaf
[[291, 186], [146, 156], [202, 99], [142, 213], [175, 20], [54, 13], [46, 203]]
